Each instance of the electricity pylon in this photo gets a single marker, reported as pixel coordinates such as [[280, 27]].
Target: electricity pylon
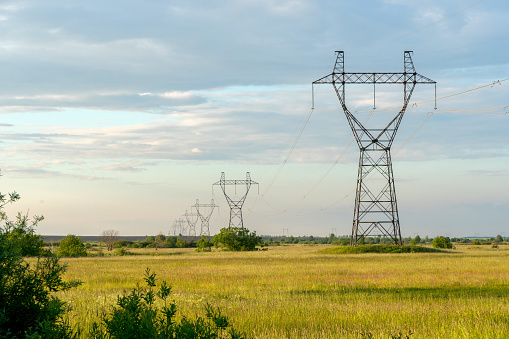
[[191, 222], [236, 219], [375, 210], [205, 215], [179, 227]]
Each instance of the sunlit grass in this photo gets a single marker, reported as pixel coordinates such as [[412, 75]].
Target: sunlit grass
[[297, 292]]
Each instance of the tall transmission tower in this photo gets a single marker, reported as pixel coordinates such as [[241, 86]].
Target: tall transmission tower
[[375, 209], [236, 219], [191, 222], [205, 213], [179, 227]]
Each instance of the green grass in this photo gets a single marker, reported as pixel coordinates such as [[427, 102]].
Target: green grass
[[299, 292], [381, 249]]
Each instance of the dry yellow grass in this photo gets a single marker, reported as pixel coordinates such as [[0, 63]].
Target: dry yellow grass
[[295, 292]]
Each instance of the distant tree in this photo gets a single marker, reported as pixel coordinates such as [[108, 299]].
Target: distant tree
[[416, 240], [204, 244], [159, 241], [442, 242], [499, 238], [237, 239], [476, 242], [71, 246], [180, 243], [108, 237], [170, 242]]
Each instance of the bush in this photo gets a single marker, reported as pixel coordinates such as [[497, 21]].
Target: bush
[[237, 239], [71, 246], [136, 316], [204, 244], [27, 308], [442, 242], [21, 233]]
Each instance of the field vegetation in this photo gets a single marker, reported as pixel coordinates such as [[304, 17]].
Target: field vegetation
[[299, 291]]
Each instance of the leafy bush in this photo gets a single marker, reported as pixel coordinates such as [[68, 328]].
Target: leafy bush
[[136, 316], [21, 233], [442, 242], [71, 246], [27, 308], [237, 239], [204, 244]]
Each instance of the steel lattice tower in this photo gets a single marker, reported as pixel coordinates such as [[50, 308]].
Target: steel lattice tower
[[236, 219], [375, 210], [191, 223], [179, 227], [205, 215]]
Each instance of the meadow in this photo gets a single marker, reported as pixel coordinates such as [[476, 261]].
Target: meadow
[[298, 292]]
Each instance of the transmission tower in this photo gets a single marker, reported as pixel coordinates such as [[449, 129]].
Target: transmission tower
[[191, 222], [375, 210], [205, 213], [236, 205]]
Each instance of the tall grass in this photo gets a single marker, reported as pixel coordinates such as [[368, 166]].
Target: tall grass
[[297, 292]]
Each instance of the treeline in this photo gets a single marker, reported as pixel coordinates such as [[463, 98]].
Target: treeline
[[158, 241], [345, 240]]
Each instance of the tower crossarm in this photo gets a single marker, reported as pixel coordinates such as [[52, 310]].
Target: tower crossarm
[[368, 138], [373, 78]]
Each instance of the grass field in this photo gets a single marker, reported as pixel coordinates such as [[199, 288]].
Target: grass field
[[298, 292]]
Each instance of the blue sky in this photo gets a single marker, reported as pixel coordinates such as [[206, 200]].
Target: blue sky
[[120, 114]]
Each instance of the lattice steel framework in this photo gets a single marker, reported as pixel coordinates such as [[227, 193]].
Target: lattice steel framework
[[192, 220], [205, 213], [236, 219], [375, 210], [179, 227]]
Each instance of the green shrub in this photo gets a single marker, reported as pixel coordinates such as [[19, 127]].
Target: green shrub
[[204, 244], [21, 233], [136, 316], [71, 246], [237, 239], [442, 242], [122, 252], [27, 307]]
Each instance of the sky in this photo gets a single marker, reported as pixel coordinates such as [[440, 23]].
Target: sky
[[122, 114]]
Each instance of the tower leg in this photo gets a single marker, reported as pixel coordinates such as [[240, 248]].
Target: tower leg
[[376, 209]]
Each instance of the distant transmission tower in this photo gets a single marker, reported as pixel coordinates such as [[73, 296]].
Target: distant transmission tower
[[375, 211], [236, 219], [191, 222], [179, 227], [205, 213]]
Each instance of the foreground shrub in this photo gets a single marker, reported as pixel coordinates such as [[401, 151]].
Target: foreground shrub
[[27, 307], [136, 316], [237, 239]]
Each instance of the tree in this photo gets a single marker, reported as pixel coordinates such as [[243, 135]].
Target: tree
[[499, 239], [71, 246], [159, 240], [109, 237], [416, 240], [204, 244], [442, 242], [237, 239]]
